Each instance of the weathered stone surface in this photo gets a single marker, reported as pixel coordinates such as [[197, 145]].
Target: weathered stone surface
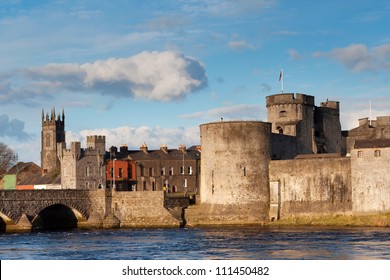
[[317, 185]]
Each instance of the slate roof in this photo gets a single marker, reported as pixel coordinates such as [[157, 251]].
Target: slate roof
[[31, 174], [374, 143], [172, 154]]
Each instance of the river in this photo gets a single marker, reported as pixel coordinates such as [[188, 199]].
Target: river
[[260, 243]]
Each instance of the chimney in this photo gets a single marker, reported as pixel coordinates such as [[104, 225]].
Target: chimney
[[124, 148], [182, 148], [164, 148], [144, 148]]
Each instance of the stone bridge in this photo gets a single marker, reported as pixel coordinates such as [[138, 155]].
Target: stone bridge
[[26, 210]]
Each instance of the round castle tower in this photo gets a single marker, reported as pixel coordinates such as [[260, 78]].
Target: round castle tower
[[234, 174]]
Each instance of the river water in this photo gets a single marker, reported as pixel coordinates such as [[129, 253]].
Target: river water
[[260, 243]]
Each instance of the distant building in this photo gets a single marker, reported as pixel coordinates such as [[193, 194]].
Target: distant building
[[368, 130], [53, 132], [170, 170], [29, 176], [83, 168]]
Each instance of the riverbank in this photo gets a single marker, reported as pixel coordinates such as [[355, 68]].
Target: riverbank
[[348, 220]]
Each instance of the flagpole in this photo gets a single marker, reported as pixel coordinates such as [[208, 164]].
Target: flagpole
[[281, 78], [370, 112]]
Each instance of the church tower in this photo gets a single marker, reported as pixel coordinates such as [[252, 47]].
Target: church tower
[[53, 132]]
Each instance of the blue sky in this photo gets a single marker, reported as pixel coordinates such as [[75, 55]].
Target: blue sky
[[153, 71]]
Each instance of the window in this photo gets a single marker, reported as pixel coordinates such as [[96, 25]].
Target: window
[[151, 171], [280, 129], [190, 170], [282, 114], [182, 170], [377, 153], [360, 154], [142, 171], [185, 183], [87, 171], [244, 169], [112, 172], [120, 175], [171, 171], [162, 171], [153, 186], [144, 185]]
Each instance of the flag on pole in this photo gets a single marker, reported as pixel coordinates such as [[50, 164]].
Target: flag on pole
[[281, 78]]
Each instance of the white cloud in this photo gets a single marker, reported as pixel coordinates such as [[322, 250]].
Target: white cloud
[[358, 57], [162, 76], [227, 8], [234, 112], [134, 137], [240, 45], [294, 54]]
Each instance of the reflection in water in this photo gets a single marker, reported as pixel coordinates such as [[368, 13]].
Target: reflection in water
[[201, 243]]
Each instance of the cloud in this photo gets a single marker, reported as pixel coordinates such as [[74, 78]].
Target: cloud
[[294, 54], [359, 58], [134, 137], [12, 128], [234, 112], [226, 8], [240, 45], [161, 76], [285, 33]]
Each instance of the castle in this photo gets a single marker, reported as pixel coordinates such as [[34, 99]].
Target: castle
[[299, 162]]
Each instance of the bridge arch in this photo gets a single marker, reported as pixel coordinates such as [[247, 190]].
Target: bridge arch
[[57, 216], [4, 220]]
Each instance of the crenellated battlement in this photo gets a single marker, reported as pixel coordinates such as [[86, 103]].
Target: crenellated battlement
[[289, 98]]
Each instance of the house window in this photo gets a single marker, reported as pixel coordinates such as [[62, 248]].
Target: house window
[[151, 171], [280, 129], [112, 173], [282, 114], [171, 171], [120, 175], [130, 173], [142, 171], [377, 153], [182, 170], [244, 169], [190, 170], [87, 171], [162, 171], [144, 185], [360, 154]]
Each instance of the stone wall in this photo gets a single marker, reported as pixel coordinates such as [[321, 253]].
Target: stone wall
[[371, 179], [312, 185], [142, 209]]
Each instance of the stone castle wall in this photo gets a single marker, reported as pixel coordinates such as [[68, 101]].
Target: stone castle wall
[[370, 178], [313, 186], [234, 173]]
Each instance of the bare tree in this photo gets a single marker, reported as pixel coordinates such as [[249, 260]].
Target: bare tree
[[7, 159]]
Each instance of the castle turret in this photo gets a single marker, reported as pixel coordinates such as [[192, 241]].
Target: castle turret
[[293, 115], [97, 142], [234, 173]]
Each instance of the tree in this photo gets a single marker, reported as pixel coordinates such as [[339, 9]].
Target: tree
[[8, 158]]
